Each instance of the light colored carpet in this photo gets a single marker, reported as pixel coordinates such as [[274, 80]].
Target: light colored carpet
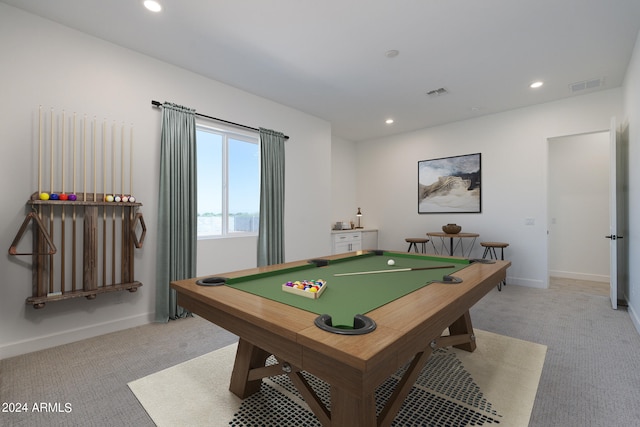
[[496, 384]]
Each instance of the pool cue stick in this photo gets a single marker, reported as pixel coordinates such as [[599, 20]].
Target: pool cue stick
[[84, 159], [122, 160], [51, 154], [62, 131], [131, 160], [104, 208], [51, 269], [39, 277], [39, 150], [397, 270], [113, 160], [63, 207], [113, 210], [122, 209], [95, 178], [73, 233]]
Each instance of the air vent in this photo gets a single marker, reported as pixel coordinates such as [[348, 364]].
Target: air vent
[[586, 84], [438, 92]]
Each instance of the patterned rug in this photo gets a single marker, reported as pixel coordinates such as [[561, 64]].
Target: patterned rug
[[495, 385]]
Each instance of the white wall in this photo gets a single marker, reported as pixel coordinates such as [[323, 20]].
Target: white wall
[[578, 195], [514, 173], [632, 110], [343, 181], [56, 67]]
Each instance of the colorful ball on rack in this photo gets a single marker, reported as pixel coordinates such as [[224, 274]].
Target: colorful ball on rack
[[73, 197], [124, 199], [54, 196], [109, 198], [64, 196], [132, 199], [44, 196], [116, 199]]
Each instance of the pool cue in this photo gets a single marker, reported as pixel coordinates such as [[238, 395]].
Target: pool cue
[[51, 154], [84, 159], [104, 208], [62, 208], [73, 233], [122, 209], [39, 209], [39, 150], [122, 161], [62, 131], [131, 160], [396, 270], [113, 208], [51, 269], [95, 178]]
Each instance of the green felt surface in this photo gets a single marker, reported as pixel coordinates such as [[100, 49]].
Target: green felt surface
[[347, 296]]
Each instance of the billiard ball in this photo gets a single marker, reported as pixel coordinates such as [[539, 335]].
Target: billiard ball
[[64, 196], [391, 262], [44, 196], [54, 196], [73, 197], [109, 198]]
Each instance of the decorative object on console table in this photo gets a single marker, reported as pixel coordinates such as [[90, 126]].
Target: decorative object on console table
[[73, 271], [359, 216]]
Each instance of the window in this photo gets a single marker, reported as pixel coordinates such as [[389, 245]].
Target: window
[[228, 183]]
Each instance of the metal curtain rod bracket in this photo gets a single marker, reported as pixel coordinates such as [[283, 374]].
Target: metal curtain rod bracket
[[158, 104]]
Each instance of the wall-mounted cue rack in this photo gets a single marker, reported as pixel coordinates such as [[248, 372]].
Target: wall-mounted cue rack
[[82, 242]]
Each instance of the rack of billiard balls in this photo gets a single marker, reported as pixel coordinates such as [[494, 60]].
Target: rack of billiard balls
[[306, 288]]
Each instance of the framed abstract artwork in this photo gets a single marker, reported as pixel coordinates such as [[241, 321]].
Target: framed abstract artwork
[[450, 185]]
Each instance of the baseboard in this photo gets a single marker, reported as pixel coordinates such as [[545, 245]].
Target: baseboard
[[53, 340], [529, 283], [579, 276]]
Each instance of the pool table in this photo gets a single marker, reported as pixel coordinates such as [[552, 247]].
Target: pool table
[[407, 307]]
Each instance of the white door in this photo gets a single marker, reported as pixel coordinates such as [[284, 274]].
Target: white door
[[617, 213]]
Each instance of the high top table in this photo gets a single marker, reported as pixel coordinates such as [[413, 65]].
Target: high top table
[[405, 313], [451, 238]]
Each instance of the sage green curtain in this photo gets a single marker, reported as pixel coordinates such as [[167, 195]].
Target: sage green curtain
[[177, 208], [271, 232]]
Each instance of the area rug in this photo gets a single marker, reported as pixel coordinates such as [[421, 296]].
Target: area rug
[[494, 385]]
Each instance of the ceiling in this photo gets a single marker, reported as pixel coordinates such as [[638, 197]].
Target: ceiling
[[328, 58]]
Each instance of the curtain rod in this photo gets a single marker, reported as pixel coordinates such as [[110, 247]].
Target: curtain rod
[[159, 105]]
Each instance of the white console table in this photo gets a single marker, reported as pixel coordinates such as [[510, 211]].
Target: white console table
[[353, 240]]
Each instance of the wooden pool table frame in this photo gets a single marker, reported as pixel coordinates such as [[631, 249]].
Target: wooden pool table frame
[[408, 330]]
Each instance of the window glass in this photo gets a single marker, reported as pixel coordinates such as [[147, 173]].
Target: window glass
[[228, 183]]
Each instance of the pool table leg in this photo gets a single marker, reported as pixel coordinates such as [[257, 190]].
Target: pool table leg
[[463, 326], [353, 410], [248, 357]]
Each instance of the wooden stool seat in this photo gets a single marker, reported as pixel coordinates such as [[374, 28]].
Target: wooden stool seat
[[490, 249], [501, 245], [413, 242]]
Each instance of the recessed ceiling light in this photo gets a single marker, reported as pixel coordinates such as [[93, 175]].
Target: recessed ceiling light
[[389, 121], [536, 85], [152, 5]]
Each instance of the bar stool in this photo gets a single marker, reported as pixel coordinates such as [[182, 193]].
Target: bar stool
[[490, 249], [413, 243]]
